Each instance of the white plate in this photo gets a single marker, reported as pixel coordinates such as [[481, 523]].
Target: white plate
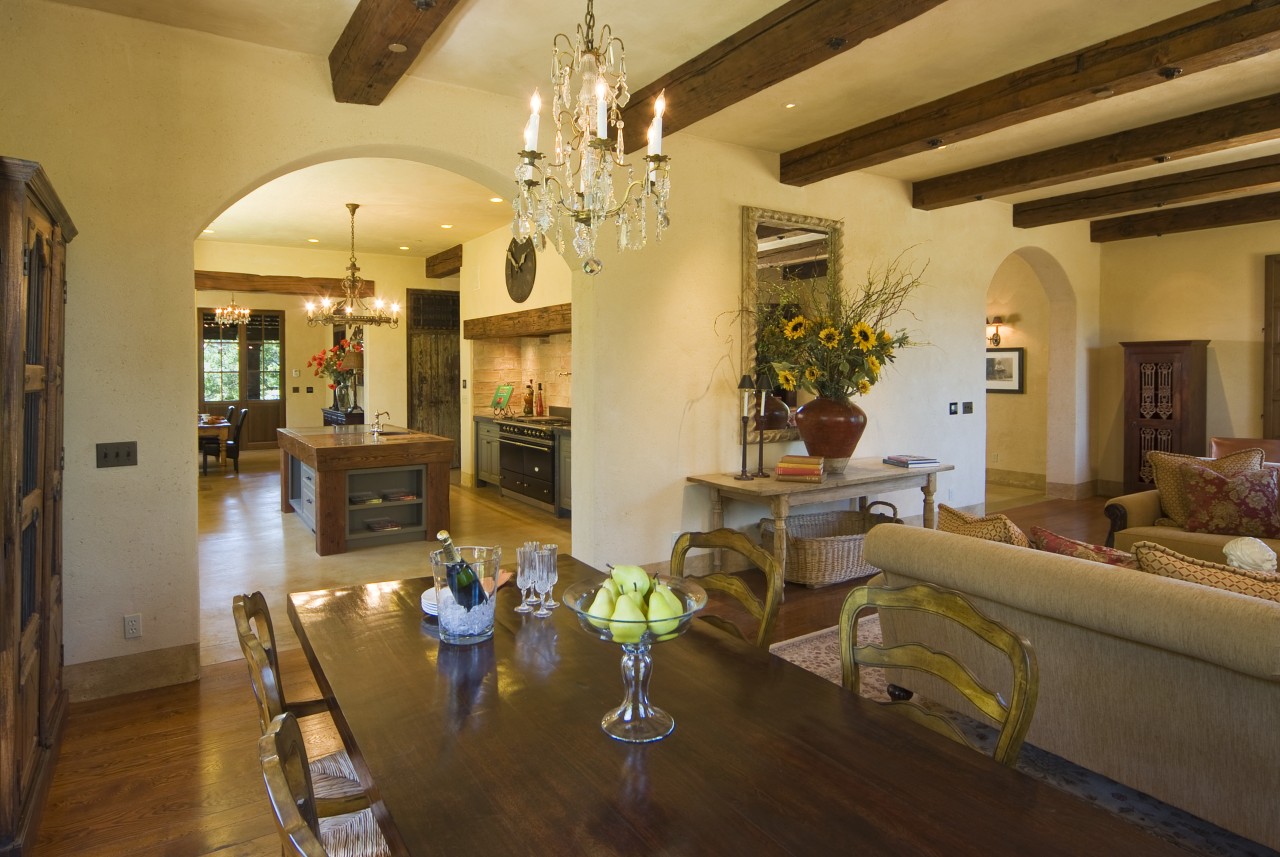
[[429, 605]]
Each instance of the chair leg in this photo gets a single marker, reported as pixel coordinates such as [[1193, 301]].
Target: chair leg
[[204, 462]]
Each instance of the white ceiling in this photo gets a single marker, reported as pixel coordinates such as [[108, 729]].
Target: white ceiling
[[955, 45]]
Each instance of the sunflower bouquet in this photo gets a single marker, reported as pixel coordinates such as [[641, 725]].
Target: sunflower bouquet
[[815, 336]]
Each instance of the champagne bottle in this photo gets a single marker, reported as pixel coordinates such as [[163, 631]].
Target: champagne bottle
[[463, 581]]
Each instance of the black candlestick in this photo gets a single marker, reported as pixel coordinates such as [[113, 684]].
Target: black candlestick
[[760, 471], [744, 475]]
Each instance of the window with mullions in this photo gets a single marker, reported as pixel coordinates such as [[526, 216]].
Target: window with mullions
[[240, 363]]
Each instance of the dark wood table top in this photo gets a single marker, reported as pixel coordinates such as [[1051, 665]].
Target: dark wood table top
[[356, 447], [496, 749]]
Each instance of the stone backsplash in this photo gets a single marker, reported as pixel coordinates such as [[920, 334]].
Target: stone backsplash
[[545, 359]]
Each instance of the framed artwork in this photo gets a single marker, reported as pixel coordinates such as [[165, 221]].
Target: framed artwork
[[1006, 370]]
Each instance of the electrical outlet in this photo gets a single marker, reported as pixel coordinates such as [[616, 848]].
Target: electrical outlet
[[117, 454], [966, 407], [133, 626]]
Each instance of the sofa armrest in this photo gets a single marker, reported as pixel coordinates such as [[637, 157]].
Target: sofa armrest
[[1131, 510]]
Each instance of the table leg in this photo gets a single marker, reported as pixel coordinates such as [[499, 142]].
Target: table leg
[[780, 507], [929, 487], [717, 521]]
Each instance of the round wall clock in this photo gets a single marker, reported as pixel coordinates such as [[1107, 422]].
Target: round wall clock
[[522, 266]]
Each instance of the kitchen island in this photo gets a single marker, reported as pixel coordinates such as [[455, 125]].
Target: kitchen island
[[354, 488]]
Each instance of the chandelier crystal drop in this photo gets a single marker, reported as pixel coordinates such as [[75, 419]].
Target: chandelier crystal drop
[[586, 180], [351, 309], [231, 314]]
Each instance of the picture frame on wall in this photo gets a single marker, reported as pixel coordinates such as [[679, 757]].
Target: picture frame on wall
[[1006, 370]]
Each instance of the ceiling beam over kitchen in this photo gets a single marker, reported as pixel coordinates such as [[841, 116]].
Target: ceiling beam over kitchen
[[1253, 175], [1210, 215], [1198, 134], [446, 263], [363, 65], [795, 37], [1204, 38], [307, 287], [540, 321]]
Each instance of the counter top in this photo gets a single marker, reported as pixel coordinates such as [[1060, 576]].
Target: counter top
[[350, 447]]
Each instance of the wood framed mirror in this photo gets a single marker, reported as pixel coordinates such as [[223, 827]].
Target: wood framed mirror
[[777, 245]]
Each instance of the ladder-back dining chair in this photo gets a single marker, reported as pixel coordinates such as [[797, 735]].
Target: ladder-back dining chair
[[233, 442], [1012, 716], [765, 610]]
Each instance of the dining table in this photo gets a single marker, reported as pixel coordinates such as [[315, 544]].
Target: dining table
[[221, 429], [496, 748]]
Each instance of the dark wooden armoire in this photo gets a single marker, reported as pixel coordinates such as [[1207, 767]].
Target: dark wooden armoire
[[34, 231], [1164, 404]]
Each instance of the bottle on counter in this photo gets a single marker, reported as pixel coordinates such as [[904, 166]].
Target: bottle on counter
[[538, 409], [464, 583], [528, 398]]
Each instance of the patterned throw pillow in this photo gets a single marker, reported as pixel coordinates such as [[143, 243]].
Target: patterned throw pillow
[[1044, 540], [1157, 559], [1168, 469], [1244, 505], [993, 528]]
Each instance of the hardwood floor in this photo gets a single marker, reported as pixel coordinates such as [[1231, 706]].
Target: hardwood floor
[[174, 771]]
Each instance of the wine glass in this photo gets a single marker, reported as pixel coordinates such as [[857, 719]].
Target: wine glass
[[542, 581], [549, 555], [525, 557]]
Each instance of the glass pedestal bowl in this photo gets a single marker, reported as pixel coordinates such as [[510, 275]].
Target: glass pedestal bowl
[[636, 720]]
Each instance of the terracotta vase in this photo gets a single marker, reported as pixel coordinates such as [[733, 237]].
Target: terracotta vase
[[831, 428]]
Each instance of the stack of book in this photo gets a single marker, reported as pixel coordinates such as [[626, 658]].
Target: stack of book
[[398, 495], [910, 460], [364, 498], [382, 525], [799, 468]]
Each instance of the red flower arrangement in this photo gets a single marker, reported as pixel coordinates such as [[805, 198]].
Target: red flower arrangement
[[330, 362]]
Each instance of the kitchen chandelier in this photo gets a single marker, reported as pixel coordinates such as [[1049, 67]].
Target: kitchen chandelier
[[231, 314], [351, 308], [587, 179]]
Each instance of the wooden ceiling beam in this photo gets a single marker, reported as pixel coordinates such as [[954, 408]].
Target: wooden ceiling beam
[[1214, 130], [307, 287], [1257, 174], [446, 263], [362, 65], [1204, 38], [1209, 215], [795, 37]]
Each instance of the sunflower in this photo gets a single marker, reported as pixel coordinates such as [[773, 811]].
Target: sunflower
[[812, 373], [873, 365], [787, 379], [795, 328], [829, 337], [864, 386], [885, 337], [864, 336]]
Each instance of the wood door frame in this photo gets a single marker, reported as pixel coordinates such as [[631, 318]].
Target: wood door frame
[[280, 405], [1270, 346]]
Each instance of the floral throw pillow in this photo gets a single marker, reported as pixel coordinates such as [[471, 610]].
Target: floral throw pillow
[[993, 528], [1044, 540], [1244, 505], [1169, 468], [1158, 559]]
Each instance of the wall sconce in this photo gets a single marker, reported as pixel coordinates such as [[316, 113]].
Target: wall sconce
[[993, 329]]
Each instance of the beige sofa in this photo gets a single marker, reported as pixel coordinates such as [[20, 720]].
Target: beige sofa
[[1169, 687], [1133, 519]]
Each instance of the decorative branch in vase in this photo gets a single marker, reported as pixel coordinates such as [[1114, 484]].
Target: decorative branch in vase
[[834, 343]]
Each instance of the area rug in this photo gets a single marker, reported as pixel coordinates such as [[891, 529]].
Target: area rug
[[819, 653]]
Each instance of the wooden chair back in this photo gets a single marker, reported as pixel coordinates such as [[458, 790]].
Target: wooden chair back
[[765, 610], [288, 780], [231, 413], [1013, 716], [258, 643]]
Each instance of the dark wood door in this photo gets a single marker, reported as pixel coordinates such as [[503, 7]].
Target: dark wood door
[[241, 366], [1164, 404], [1271, 350], [435, 403]]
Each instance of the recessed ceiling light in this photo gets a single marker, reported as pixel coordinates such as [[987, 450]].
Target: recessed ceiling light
[[446, 225], [208, 232], [313, 240], [495, 199], [404, 247], [396, 48], [789, 105]]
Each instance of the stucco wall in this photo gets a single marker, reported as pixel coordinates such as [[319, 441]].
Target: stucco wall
[[1017, 424]]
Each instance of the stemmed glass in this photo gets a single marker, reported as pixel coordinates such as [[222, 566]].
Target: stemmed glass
[[548, 555], [542, 581], [526, 556]]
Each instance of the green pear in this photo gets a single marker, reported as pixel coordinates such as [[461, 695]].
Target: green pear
[[627, 622], [632, 577], [601, 606], [664, 610]]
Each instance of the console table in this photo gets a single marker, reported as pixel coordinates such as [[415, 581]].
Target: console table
[[862, 477]]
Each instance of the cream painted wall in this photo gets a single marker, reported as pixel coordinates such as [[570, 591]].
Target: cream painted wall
[[385, 379], [1017, 424], [149, 132], [1200, 285]]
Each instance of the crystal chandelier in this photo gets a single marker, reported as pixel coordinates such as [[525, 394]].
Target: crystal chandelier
[[351, 309], [587, 180], [231, 314]]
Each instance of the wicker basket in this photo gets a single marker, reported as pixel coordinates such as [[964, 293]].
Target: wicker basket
[[826, 548]]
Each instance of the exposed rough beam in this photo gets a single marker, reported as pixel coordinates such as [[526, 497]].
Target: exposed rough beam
[[542, 321], [446, 263], [792, 38], [306, 287], [1258, 174], [1201, 39], [1210, 215], [1211, 131], [362, 65]]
